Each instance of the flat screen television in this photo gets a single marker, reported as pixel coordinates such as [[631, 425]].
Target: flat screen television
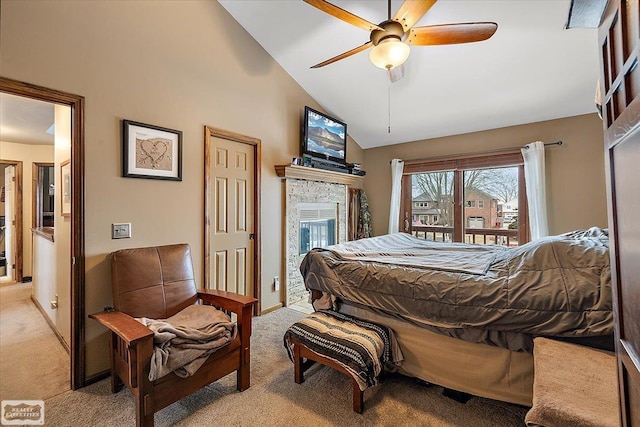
[[324, 137]]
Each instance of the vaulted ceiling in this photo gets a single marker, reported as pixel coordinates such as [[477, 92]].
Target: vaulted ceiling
[[532, 69]]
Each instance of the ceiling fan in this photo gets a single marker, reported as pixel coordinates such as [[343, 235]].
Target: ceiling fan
[[391, 39]]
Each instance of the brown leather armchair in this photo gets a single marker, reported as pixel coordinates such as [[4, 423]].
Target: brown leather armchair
[[158, 282]]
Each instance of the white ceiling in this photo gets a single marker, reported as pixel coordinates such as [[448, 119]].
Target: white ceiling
[[531, 70], [25, 120]]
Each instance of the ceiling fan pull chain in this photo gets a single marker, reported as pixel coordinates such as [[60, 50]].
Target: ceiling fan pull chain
[[389, 119]]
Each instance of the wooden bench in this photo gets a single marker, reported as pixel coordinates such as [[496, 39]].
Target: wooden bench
[[573, 385], [300, 366], [351, 346]]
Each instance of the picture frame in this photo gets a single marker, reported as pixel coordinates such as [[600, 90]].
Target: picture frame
[[65, 188], [151, 152]]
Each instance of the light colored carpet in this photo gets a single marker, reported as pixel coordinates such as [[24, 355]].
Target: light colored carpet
[[33, 363], [274, 399]]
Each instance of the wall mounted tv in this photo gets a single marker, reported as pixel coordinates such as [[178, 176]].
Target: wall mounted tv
[[324, 137]]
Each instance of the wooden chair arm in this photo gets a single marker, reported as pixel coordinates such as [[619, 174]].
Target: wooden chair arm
[[123, 325], [230, 301]]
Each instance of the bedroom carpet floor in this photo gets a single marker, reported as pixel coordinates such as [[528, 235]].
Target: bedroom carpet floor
[[273, 399]]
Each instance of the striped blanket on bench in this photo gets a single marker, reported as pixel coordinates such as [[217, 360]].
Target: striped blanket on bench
[[362, 348]]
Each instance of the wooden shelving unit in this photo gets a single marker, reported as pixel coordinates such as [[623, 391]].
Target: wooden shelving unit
[[315, 174]]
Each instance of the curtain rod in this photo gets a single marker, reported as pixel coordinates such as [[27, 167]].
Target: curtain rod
[[497, 150], [546, 144]]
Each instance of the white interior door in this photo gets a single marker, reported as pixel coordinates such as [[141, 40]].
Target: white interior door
[[10, 219], [232, 211]]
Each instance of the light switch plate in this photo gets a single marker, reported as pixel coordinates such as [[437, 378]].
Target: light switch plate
[[121, 231]]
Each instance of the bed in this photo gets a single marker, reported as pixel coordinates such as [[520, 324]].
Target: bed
[[465, 315]]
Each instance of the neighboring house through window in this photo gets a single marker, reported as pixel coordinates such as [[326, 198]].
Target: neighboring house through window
[[490, 190]]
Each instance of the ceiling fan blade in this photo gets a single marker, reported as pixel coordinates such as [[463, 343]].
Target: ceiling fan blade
[[343, 15], [451, 33], [396, 73], [411, 11], [344, 55]]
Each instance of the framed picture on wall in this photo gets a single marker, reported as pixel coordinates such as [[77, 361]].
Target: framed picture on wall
[[65, 188], [151, 152]]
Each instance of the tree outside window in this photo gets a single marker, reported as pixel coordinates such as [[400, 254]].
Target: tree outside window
[[490, 203]]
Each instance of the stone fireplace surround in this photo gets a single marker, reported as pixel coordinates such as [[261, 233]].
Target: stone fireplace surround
[[304, 185]]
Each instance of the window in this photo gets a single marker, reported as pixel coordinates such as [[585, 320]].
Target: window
[[478, 199], [438, 188]]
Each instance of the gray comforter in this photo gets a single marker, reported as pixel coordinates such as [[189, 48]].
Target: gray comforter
[[556, 286]]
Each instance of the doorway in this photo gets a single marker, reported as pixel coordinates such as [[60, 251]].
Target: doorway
[[232, 206], [43, 195], [11, 229], [76, 266]]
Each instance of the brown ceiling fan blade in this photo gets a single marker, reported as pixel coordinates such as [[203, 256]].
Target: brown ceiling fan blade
[[451, 33], [411, 11], [344, 55], [343, 15]]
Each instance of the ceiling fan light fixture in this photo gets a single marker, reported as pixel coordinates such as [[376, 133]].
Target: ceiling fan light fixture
[[389, 53]]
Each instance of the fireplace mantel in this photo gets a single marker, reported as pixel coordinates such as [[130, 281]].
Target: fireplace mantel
[[315, 174]]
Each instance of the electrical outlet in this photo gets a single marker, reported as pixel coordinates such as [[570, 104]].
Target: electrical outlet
[[121, 231], [276, 283]]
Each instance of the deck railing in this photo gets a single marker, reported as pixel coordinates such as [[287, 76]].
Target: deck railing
[[484, 236]]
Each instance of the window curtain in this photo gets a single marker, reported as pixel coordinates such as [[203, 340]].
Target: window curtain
[[397, 166], [359, 215], [354, 213], [534, 175]]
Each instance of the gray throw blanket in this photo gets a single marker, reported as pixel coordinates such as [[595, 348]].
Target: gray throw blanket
[[183, 342], [405, 250]]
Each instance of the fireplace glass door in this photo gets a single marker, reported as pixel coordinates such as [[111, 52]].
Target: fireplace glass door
[[317, 234]]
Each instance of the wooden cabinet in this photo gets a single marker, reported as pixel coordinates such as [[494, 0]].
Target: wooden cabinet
[[619, 36]]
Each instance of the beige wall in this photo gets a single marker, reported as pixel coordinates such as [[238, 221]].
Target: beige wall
[[27, 154], [180, 65], [62, 231], [575, 170]]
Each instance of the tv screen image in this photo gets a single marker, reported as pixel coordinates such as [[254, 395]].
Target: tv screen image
[[324, 136]]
